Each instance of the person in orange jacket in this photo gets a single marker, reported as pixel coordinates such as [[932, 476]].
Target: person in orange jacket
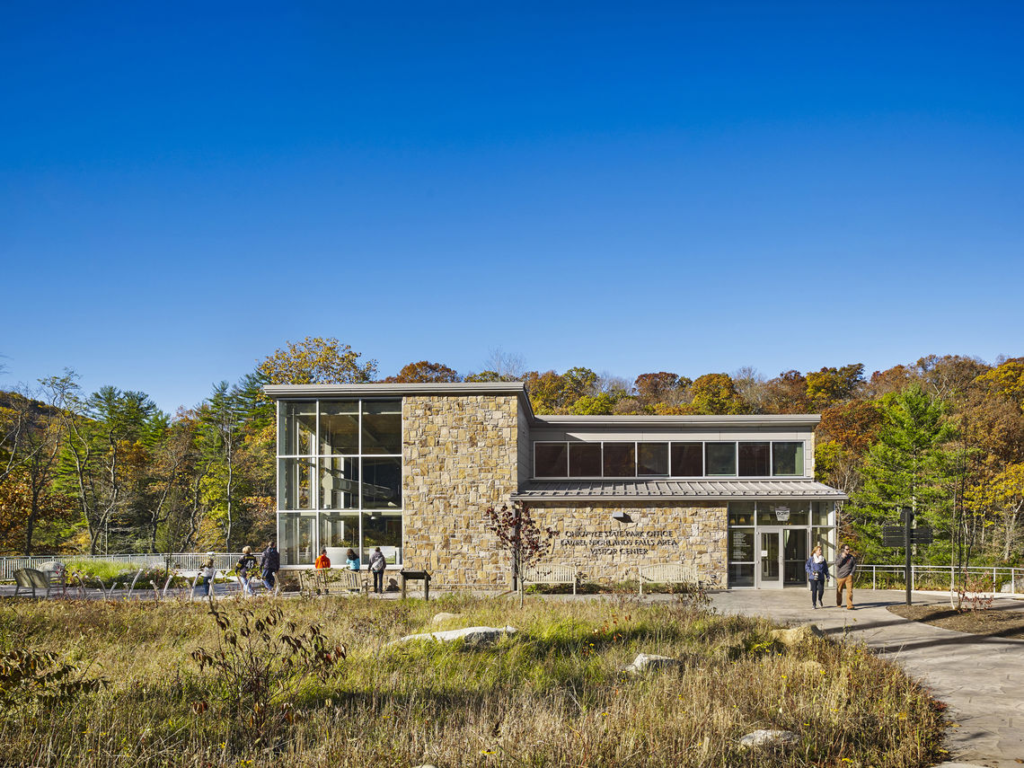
[[323, 561]]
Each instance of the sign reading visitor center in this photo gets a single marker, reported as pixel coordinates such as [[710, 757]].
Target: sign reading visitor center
[[616, 542]]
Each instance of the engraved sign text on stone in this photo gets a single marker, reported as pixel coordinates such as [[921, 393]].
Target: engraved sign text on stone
[[618, 542]]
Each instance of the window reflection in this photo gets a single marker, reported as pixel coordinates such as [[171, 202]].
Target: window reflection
[[382, 483], [652, 459], [295, 484], [584, 459], [382, 427], [339, 483], [297, 428], [720, 459], [339, 428]]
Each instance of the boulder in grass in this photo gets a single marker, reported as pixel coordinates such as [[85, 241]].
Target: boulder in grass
[[475, 637], [645, 662], [796, 635], [441, 618], [812, 666], [763, 738]]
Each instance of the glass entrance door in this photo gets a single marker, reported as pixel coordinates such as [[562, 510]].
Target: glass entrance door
[[769, 558], [795, 556]]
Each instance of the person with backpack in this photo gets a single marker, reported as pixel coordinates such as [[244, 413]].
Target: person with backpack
[[270, 564], [377, 565], [817, 574]]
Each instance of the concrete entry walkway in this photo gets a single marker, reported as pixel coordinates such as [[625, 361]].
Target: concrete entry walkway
[[980, 678]]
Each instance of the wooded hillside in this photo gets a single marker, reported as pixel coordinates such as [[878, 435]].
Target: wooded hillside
[[109, 472]]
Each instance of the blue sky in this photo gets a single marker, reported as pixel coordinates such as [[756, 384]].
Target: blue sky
[[691, 187]]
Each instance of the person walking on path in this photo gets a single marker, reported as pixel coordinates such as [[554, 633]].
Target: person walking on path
[[270, 564], [845, 567], [377, 563], [244, 568], [817, 574], [206, 574]]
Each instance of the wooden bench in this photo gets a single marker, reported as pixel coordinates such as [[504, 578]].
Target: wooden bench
[[551, 574], [667, 573], [30, 578], [330, 581]]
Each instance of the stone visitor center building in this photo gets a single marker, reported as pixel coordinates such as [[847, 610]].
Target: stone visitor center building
[[411, 467]]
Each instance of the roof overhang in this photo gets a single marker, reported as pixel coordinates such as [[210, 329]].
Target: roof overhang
[[382, 389], [678, 490], [793, 421]]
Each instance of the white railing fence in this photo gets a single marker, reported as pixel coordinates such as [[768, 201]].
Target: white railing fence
[[940, 578], [924, 577], [175, 561]]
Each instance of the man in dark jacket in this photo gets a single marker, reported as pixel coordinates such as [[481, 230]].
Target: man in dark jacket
[[270, 564], [845, 566]]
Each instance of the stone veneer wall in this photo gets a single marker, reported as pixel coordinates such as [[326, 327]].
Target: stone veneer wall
[[460, 455], [606, 550]]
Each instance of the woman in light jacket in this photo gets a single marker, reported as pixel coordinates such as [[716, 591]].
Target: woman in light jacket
[[817, 575], [352, 560]]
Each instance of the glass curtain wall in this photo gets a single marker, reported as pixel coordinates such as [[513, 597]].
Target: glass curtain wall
[[339, 479], [803, 525]]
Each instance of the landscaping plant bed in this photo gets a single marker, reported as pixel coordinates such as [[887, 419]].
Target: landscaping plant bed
[[1000, 620], [555, 691]]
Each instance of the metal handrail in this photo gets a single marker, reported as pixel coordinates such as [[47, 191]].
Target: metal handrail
[[941, 577], [180, 561]]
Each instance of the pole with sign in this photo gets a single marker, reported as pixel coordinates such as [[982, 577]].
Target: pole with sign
[[908, 536], [908, 519]]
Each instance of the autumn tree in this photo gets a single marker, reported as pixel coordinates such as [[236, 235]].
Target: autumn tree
[[601, 404], [15, 423], [661, 387], [832, 385], [485, 376], [714, 394], [894, 379], [1005, 380], [1004, 496], [752, 387], [316, 360], [949, 377], [579, 382], [843, 436], [426, 372], [38, 502], [786, 393]]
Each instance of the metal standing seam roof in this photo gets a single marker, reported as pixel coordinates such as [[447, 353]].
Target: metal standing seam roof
[[664, 489]]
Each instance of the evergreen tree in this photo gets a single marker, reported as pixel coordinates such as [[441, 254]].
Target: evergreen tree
[[905, 467]]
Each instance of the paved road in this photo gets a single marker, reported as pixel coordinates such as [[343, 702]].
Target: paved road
[[982, 679]]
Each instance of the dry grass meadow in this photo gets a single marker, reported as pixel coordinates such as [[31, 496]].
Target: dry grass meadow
[[551, 695]]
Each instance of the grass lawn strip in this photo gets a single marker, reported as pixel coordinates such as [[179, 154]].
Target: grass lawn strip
[[553, 694]]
